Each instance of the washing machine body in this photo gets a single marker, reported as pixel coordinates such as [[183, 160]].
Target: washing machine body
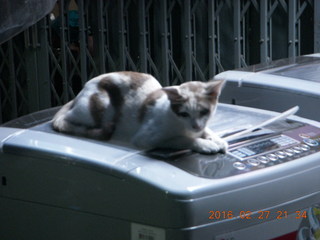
[[56, 186]]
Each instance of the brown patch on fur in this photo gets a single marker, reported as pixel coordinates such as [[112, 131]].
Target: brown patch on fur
[[137, 78], [213, 90], [116, 100], [176, 100], [149, 101], [194, 86], [113, 91], [96, 108]]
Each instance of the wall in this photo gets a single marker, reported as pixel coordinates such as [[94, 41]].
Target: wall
[[175, 40]]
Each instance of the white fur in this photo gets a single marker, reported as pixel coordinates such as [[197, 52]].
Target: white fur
[[160, 126], [163, 128]]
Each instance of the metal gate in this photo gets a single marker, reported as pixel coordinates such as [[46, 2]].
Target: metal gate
[[174, 40]]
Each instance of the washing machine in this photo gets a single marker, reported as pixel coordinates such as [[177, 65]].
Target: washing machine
[[266, 186], [276, 85]]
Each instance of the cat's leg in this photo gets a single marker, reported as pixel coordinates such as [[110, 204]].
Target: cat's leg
[[146, 136], [104, 133], [201, 145], [210, 135]]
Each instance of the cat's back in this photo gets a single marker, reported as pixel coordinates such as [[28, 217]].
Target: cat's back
[[122, 82], [117, 89], [107, 97]]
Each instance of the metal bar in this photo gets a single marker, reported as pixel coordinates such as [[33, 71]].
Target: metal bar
[[283, 3], [211, 36], [98, 31], [32, 80], [243, 39], [187, 38], [63, 45], [264, 56], [12, 82], [83, 35], [292, 52], [316, 26], [1, 107], [142, 36], [237, 33], [1, 90], [245, 9], [270, 42], [217, 36], [121, 35], [197, 66], [272, 9], [43, 66], [300, 10], [161, 38], [30, 56]]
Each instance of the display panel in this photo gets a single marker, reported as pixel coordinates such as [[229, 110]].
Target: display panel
[[264, 146]]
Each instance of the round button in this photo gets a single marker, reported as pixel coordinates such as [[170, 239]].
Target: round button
[[289, 152], [310, 142], [272, 157], [297, 149], [239, 165], [281, 154], [254, 162], [304, 147], [263, 159]]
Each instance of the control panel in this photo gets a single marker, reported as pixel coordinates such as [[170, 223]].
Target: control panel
[[253, 152], [284, 147]]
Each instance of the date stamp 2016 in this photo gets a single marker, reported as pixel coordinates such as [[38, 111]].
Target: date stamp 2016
[[261, 215]]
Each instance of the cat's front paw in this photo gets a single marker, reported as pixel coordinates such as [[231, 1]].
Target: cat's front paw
[[206, 146], [221, 143]]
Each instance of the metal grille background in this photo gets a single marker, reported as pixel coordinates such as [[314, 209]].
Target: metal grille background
[[175, 40]]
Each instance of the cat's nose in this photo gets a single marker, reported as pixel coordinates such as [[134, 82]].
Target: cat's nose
[[196, 126]]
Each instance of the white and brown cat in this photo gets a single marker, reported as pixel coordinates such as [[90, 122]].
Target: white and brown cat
[[131, 106]]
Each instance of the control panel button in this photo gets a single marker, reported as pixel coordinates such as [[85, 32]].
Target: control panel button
[[239, 165], [310, 142], [304, 147], [289, 152], [263, 159], [272, 157], [297, 149], [281, 154], [254, 162]]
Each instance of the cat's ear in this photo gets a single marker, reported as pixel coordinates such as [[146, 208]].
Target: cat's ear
[[214, 88], [173, 94]]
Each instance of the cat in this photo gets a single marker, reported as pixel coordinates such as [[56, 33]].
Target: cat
[[132, 106]]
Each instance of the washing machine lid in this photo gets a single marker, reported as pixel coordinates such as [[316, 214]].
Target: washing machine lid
[[305, 67], [181, 179]]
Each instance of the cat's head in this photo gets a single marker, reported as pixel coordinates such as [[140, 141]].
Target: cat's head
[[194, 102]]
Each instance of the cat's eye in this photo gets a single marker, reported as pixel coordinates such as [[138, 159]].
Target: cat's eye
[[184, 114], [204, 112]]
